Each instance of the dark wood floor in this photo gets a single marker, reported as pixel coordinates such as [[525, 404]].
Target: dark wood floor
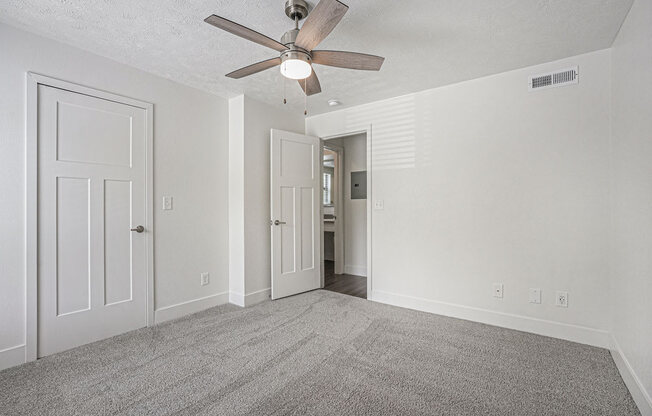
[[344, 283]]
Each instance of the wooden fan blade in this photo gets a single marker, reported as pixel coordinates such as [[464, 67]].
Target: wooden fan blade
[[310, 85], [254, 68], [352, 60], [320, 22], [244, 32]]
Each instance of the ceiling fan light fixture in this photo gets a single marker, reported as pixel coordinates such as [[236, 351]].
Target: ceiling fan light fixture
[[297, 45], [296, 65]]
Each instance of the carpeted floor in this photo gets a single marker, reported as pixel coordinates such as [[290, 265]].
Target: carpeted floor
[[320, 353]]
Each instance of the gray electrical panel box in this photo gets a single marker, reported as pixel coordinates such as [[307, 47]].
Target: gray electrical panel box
[[359, 185]]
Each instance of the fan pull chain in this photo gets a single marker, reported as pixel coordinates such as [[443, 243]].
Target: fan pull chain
[[284, 91], [305, 97]]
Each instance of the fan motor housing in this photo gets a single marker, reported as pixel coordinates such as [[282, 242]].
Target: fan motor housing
[[299, 54], [296, 9]]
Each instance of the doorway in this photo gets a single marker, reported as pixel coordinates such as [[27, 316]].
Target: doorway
[[344, 207]]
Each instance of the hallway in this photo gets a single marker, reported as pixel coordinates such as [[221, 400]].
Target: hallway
[[344, 283]]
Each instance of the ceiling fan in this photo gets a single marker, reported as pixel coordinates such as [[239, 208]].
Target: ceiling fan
[[296, 47]]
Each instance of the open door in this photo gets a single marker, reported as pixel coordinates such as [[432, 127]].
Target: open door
[[295, 207]]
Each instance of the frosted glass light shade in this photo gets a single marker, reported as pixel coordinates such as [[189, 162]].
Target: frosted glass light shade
[[295, 69]]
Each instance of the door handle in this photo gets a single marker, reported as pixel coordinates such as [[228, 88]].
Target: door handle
[[277, 222], [138, 229]]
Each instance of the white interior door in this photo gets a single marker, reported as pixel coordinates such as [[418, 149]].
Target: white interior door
[[92, 269], [295, 207]]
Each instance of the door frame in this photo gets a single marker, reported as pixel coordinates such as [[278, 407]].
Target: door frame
[[339, 209], [33, 80], [347, 133]]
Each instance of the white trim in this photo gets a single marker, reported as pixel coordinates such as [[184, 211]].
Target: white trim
[[149, 211], [636, 389], [322, 256], [355, 270], [31, 215], [12, 356], [33, 80], [370, 174], [251, 298], [575, 333], [338, 248], [237, 299], [181, 309], [258, 296]]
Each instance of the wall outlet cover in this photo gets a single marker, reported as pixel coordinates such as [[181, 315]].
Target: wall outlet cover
[[498, 290], [379, 204], [561, 299], [534, 295]]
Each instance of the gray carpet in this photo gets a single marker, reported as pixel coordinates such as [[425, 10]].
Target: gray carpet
[[320, 353]]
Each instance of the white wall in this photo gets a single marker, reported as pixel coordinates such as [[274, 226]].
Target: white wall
[[355, 210], [190, 164], [632, 198], [257, 119], [486, 182]]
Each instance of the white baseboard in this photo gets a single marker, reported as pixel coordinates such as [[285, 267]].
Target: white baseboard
[[189, 307], [250, 298], [258, 296], [12, 356], [575, 333], [355, 270], [636, 389]]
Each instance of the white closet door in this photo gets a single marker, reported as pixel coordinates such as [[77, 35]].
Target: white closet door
[[92, 281]]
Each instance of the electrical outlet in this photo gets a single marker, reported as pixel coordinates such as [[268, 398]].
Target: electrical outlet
[[167, 203], [561, 299], [535, 295], [379, 204], [205, 279], [498, 290]]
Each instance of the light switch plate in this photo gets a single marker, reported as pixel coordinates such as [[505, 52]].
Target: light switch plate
[[167, 203], [379, 204], [535, 295]]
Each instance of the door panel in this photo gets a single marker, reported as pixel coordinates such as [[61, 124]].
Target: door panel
[[117, 242], [109, 144], [294, 204], [287, 247], [296, 159], [92, 270], [307, 237], [72, 245]]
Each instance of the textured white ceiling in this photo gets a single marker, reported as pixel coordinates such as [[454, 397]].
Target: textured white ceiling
[[427, 43]]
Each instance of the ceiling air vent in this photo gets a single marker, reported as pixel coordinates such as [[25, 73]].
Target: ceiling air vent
[[554, 79]]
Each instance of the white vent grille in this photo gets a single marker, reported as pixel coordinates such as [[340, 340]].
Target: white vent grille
[[554, 79]]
